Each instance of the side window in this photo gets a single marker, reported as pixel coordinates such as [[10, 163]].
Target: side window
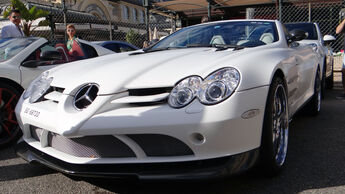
[[112, 47], [89, 51], [125, 48]]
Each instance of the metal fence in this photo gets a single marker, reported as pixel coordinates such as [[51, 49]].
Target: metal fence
[[90, 27], [135, 30], [325, 13]]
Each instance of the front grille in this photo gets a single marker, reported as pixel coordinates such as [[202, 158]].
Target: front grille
[[146, 96], [36, 133], [51, 90], [155, 145], [108, 146], [104, 146]]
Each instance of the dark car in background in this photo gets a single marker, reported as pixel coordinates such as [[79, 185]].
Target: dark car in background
[[117, 46]]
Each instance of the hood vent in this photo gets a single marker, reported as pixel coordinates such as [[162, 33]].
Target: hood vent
[[149, 91], [145, 96], [85, 96]]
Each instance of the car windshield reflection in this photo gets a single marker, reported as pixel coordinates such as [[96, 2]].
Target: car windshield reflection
[[9, 47], [244, 34]]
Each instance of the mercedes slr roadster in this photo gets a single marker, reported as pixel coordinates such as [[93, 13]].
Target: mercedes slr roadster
[[207, 101]]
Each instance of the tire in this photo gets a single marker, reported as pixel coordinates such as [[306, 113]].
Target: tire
[[275, 134], [9, 129], [330, 82], [314, 105]]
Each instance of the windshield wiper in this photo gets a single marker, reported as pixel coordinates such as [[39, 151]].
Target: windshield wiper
[[149, 50], [160, 49], [219, 47]]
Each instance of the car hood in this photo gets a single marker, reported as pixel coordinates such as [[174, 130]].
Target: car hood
[[119, 72]]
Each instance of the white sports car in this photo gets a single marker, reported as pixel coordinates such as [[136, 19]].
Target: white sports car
[[322, 47], [21, 61], [207, 101]]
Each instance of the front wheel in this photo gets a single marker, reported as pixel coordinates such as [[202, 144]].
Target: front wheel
[[275, 134], [9, 130]]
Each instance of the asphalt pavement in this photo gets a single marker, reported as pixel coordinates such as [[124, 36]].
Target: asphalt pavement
[[315, 164]]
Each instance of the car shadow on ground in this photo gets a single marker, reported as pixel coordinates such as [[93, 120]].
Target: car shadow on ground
[[7, 153], [314, 163], [18, 168]]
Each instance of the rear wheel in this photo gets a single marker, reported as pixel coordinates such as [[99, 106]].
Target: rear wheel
[[275, 129], [9, 130]]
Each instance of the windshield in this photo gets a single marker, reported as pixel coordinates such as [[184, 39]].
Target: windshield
[[309, 28], [9, 47], [242, 33]]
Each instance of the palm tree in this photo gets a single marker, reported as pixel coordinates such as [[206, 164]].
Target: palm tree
[[28, 16]]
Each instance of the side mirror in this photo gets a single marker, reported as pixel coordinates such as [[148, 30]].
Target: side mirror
[[328, 39], [33, 63], [50, 56], [297, 35]]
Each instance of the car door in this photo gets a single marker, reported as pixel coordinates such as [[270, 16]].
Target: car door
[[292, 78], [29, 74]]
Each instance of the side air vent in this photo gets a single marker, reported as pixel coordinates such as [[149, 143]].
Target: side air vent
[[85, 96]]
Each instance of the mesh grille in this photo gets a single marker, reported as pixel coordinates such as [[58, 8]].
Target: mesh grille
[[36, 133], [161, 145], [105, 146]]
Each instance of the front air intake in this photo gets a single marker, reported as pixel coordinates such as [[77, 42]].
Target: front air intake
[[85, 96]]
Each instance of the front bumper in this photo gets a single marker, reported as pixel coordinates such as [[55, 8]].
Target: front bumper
[[153, 134], [190, 170]]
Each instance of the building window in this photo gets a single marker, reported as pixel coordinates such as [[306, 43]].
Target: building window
[[114, 11], [124, 12], [135, 14], [141, 16]]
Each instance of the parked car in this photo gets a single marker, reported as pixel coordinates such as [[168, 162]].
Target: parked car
[[21, 60], [188, 107], [117, 46], [321, 45]]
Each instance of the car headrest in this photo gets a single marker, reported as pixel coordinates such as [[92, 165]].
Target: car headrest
[[267, 38]]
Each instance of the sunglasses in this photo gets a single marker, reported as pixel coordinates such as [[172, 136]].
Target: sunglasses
[[16, 17]]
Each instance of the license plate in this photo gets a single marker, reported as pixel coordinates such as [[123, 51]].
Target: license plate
[[32, 112]]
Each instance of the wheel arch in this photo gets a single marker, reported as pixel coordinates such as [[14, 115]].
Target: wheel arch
[[12, 83], [279, 73]]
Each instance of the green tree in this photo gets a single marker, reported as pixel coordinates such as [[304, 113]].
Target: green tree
[[132, 37], [28, 16]]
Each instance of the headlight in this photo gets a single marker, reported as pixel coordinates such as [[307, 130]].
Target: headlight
[[219, 86], [185, 91], [215, 88], [38, 87]]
